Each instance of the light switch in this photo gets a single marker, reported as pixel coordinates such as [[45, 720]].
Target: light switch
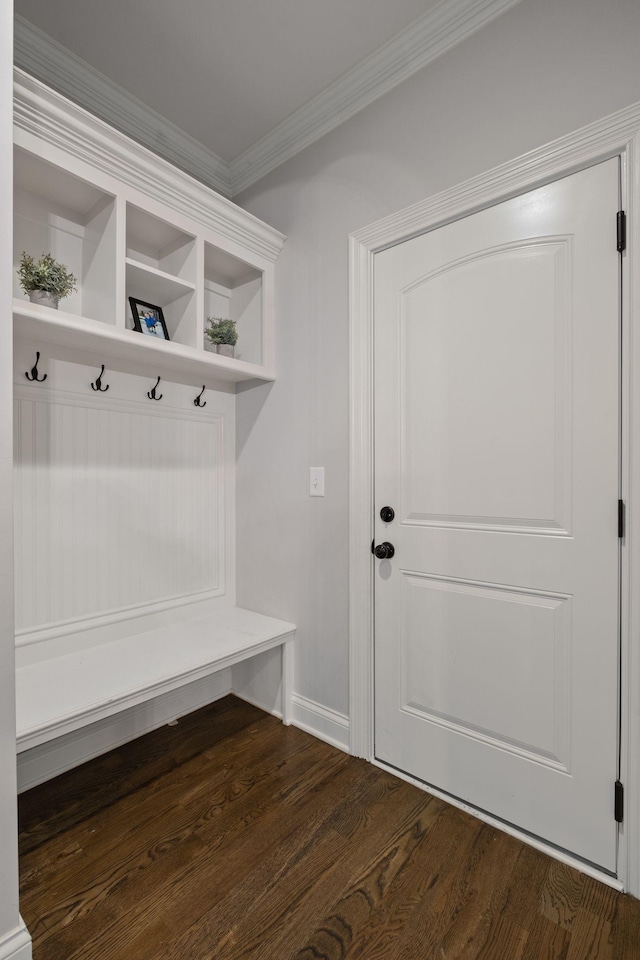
[[316, 482]]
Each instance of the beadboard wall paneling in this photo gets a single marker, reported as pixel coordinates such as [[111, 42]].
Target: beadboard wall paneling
[[120, 503]]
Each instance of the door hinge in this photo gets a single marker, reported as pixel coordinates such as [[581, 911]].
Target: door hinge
[[621, 223], [618, 802], [621, 518]]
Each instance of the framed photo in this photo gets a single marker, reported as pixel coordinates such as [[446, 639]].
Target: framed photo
[[148, 319]]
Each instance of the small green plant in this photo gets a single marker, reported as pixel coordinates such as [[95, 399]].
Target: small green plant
[[222, 331], [46, 274]]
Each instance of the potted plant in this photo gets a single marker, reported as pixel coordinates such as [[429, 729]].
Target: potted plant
[[223, 334], [46, 281]]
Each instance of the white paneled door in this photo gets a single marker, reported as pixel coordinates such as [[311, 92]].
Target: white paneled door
[[497, 375]]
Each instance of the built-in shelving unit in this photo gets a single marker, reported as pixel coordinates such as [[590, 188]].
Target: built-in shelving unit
[[128, 605], [129, 225], [174, 361]]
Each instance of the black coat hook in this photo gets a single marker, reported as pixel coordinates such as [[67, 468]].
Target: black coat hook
[[152, 393], [98, 384], [197, 399], [34, 371]]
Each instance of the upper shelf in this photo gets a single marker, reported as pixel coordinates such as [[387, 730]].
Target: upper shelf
[[136, 233], [166, 358], [158, 286]]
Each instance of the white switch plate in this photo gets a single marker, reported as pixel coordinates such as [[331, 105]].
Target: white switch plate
[[316, 482]]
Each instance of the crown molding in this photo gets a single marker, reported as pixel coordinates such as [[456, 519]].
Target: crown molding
[[41, 114], [48, 61], [443, 27]]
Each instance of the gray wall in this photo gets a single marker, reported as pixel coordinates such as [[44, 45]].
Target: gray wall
[[542, 70]]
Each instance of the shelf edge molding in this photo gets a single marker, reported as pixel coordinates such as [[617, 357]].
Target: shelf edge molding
[[169, 357], [40, 111]]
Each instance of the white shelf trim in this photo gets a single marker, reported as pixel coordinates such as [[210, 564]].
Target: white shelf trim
[[169, 279], [170, 358], [42, 115]]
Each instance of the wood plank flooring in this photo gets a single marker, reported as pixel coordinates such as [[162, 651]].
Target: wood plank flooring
[[231, 837]]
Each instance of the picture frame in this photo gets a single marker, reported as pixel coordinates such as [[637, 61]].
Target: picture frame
[[148, 319]]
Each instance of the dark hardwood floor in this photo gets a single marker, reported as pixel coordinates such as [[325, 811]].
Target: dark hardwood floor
[[230, 837]]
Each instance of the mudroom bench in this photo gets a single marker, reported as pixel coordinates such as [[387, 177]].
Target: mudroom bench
[[126, 505], [60, 689]]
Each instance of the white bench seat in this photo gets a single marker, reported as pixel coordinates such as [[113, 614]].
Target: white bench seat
[[63, 693]]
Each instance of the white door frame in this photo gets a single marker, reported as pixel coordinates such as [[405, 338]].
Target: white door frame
[[618, 134]]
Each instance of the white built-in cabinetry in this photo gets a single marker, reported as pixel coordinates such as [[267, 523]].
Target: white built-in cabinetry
[[127, 224], [125, 505]]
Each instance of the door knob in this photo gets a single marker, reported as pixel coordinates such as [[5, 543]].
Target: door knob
[[387, 514], [384, 551]]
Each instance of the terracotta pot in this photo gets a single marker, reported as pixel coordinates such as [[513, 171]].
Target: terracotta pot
[[44, 298]]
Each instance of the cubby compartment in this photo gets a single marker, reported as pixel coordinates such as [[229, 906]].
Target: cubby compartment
[[161, 270], [73, 220], [159, 245], [176, 300], [233, 289]]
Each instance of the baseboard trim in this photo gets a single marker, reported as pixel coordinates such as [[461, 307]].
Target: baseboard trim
[[16, 944], [50, 759], [322, 722]]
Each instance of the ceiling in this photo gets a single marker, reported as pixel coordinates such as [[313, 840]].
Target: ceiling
[[227, 90], [226, 72]]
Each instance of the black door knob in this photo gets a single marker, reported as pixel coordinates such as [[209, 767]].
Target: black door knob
[[387, 514], [384, 551]]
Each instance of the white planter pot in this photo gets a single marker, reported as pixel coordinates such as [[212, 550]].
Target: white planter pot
[[44, 298], [225, 349]]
